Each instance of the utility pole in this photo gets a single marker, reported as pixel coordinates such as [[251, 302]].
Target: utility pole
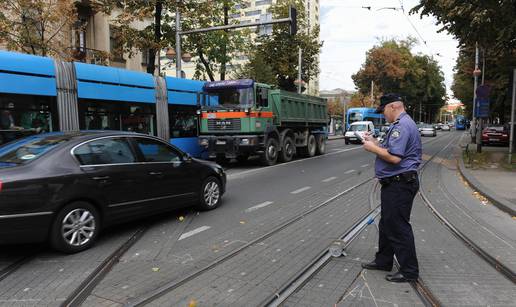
[[475, 75], [511, 139], [419, 110], [178, 40], [478, 132], [372, 93], [299, 63]]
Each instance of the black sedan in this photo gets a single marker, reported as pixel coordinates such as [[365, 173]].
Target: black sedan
[[66, 187]]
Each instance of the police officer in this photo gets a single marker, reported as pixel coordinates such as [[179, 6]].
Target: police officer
[[397, 160]]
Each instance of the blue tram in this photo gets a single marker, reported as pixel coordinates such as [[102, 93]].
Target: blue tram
[[40, 94], [364, 114], [460, 122]]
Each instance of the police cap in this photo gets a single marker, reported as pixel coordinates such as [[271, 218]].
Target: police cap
[[386, 99]]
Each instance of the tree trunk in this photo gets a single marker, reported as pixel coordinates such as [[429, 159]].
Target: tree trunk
[[224, 44], [205, 63], [151, 66]]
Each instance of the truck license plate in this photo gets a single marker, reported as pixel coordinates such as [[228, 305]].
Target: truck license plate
[[220, 142]]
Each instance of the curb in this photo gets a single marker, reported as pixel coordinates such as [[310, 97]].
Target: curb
[[498, 201], [335, 138]]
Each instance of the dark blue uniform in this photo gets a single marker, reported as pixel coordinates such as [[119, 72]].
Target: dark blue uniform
[[399, 187]]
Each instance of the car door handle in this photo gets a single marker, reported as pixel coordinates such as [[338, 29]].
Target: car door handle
[[100, 178], [155, 173]]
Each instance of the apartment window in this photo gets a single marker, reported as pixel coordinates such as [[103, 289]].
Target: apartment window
[[253, 13], [115, 45], [262, 2]]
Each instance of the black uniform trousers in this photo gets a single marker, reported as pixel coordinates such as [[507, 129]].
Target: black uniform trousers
[[396, 236]]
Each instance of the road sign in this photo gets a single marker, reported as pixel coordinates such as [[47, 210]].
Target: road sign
[[483, 91], [482, 107]]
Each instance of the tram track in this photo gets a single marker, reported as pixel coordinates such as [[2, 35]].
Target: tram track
[[166, 288], [486, 256], [306, 273]]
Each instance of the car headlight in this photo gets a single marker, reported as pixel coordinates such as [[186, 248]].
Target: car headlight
[[204, 142]]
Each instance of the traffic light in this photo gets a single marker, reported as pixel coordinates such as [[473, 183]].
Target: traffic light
[[292, 14]]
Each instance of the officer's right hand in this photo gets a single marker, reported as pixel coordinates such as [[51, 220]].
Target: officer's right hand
[[369, 137]]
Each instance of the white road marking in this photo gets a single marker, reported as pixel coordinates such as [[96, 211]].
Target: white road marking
[[300, 190], [365, 165], [193, 232], [241, 174], [264, 204], [349, 172], [329, 179]]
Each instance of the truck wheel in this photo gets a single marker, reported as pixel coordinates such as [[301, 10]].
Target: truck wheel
[[75, 227], [270, 155], [288, 151], [321, 144], [311, 146]]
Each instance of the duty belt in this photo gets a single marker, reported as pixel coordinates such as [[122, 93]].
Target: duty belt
[[409, 176]]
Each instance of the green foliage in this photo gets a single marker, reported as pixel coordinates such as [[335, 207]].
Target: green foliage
[[491, 23], [257, 69], [280, 50], [213, 49], [393, 68], [37, 26]]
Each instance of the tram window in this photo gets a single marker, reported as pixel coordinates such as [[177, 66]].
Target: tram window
[[23, 115], [117, 115], [183, 121]]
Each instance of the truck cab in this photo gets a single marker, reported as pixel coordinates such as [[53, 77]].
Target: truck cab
[[240, 118]]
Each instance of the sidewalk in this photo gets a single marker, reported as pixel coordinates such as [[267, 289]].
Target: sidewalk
[[489, 178]]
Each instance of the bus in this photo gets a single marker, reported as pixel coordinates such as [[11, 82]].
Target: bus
[[41, 94], [364, 114], [460, 122]]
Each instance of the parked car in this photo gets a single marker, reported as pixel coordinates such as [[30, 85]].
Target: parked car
[[445, 127], [437, 126], [428, 130], [361, 128], [66, 187], [383, 131], [495, 135]]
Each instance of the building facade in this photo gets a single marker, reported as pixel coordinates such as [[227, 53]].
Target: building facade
[[254, 11]]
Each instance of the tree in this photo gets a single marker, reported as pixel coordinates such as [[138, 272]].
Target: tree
[[393, 68], [213, 49], [37, 27], [491, 24], [257, 69], [280, 50]]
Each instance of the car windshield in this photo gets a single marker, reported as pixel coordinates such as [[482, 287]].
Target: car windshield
[[28, 149], [232, 97], [428, 126], [358, 127]]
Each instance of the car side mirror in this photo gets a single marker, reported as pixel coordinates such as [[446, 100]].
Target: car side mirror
[[187, 158]]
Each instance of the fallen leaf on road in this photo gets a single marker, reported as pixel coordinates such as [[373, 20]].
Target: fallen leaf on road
[[181, 218], [155, 269], [242, 222]]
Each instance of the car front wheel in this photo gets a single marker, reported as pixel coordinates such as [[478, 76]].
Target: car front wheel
[[75, 227], [211, 194]]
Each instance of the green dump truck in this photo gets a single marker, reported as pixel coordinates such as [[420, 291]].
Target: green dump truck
[[240, 118]]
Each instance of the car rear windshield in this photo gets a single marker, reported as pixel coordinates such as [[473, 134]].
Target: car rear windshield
[[26, 150]]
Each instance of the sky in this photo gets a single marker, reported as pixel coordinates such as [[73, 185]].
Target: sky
[[348, 31]]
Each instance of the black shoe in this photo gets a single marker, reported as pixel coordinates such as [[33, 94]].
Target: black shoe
[[373, 266], [399, 277]]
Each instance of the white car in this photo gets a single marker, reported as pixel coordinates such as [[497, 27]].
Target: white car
[[360, 128], [428, 130], [445, 128]]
